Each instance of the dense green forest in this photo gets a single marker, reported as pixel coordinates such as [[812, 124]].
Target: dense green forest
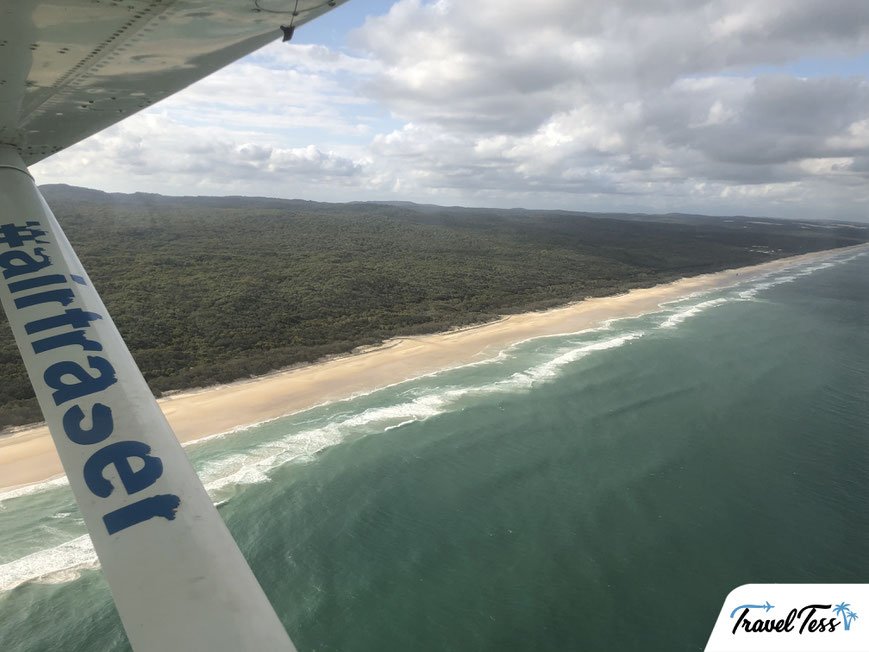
[[208, 290]]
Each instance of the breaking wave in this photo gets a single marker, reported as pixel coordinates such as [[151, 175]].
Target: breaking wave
[[65, 562]]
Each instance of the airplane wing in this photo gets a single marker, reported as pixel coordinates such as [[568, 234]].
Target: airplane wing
[[69, 68]]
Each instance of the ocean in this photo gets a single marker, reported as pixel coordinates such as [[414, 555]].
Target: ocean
[[602, 490]]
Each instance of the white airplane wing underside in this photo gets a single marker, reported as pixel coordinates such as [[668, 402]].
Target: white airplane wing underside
[[70, 68]]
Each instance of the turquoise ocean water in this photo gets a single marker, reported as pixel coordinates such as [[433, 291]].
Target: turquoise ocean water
[[597, 491]]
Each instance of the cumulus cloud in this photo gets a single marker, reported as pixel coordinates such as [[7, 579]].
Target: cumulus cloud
[[153, 152], [643, 105], [623, 99]]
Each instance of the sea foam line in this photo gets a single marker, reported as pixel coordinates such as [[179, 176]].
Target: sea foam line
[[61, 563], [753, 291], [761, 283], [252, 467], [29, 489], [677, 318], [64, 562]]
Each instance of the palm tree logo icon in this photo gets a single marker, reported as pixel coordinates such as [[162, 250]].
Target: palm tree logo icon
[[844, 609]]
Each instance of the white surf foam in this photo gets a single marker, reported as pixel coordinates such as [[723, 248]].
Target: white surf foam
[[62, 563], [28, 489], [773, 281], [677, 318], [253, 466], [757, 285], [399, 425], [552, 368]]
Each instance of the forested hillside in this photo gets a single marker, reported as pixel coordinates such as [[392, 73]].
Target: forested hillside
[[208, 290]]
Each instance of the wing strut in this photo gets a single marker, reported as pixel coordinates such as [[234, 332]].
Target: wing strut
[[177, 577]]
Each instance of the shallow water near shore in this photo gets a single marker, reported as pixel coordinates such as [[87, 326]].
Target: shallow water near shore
[[601, 490]]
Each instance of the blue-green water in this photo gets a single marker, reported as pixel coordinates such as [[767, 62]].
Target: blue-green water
[[598, 491]]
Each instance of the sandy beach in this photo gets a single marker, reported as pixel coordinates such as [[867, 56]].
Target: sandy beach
[[29, 456]]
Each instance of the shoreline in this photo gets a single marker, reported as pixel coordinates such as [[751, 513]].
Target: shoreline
[[28, 456]]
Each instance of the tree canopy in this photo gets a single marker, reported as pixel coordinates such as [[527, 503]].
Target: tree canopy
[[208, 290]]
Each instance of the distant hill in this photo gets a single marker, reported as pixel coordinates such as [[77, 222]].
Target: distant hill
[[211, 289], [66, 193]]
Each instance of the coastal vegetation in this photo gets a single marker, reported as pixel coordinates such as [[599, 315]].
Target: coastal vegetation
[[208, 290]]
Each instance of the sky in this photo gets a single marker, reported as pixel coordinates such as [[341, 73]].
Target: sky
[[703, 106]]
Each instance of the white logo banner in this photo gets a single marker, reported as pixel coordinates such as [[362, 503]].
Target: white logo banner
[[793, 618]]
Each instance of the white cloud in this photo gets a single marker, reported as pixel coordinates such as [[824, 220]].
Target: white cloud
[[603, 105], [153, 152]]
